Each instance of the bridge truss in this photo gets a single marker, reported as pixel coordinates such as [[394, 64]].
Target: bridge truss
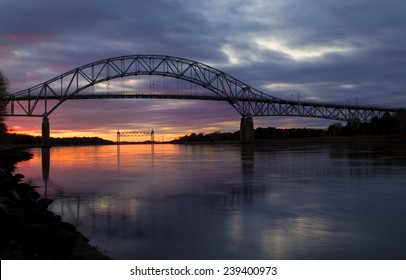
[[41, 100], [134, 133]]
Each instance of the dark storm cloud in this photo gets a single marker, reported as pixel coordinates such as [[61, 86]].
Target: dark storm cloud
[[335, 51], [140, 24], [362, 40], [71, 34]]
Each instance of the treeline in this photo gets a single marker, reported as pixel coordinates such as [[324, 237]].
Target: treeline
[[3, 103], [259, 133], [386, 125], [66, 141], [29, 140], [286, 133], [9, 139], [211, 137]]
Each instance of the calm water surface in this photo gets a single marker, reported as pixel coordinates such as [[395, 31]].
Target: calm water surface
[[228, 202]]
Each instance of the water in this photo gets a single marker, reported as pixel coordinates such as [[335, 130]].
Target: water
[[227, 202]]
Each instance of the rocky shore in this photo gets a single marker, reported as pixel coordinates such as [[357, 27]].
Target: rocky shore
[[28, 229]]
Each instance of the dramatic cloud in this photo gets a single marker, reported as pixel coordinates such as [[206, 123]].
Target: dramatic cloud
[[334, 51]]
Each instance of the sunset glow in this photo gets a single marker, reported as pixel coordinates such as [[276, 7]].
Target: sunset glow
[[343, 52]]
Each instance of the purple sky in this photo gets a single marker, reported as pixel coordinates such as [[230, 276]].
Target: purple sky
[[333, 51]]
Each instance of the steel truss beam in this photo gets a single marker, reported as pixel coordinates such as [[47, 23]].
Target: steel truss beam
[[135, 133], [43, 99]]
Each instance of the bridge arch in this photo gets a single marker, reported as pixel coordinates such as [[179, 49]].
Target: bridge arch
[[70, 84]]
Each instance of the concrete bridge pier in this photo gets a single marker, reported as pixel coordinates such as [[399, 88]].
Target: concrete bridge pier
[[247, 130], [46, 139]]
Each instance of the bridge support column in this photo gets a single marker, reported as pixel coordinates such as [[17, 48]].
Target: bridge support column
[[247, 130], [46, 139]]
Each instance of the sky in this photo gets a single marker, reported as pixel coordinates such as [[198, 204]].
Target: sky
[[347, 51]]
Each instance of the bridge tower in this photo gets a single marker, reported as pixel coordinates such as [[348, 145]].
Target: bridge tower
[[247, 130], [46, 139]]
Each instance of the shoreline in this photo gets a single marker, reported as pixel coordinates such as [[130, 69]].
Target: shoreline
[[316, 140], [29, 230], [310, 140]]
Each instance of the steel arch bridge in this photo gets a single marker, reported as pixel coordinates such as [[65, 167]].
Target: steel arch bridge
[[248, 101], [41, 100]]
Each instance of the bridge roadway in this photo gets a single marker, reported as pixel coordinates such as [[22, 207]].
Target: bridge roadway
[[264, 106]]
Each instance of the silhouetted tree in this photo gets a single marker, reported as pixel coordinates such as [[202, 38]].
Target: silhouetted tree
[[335, 129], [266, 133], [385, 125], [3, 94], [401, 118]]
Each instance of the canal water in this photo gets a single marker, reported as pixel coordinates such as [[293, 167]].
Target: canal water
[[281, 201]]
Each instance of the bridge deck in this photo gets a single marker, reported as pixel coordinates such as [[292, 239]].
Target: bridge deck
[[263, 106]]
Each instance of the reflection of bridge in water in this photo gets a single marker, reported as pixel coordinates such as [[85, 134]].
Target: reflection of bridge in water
[[137, 216], [41, 100]]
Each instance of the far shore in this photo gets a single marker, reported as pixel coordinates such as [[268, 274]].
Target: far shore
[[327, 139]]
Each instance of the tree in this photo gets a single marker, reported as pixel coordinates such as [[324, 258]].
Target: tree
[[401, 118], [3, 102], [335, 129], [386, 125]]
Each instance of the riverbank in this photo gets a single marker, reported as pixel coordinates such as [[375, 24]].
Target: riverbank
[[29, 229], [368, 139]]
